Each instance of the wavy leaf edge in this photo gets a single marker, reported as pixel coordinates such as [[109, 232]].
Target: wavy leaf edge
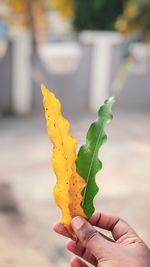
[[104, 117]]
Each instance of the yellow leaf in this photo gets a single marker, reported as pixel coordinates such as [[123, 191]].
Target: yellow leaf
[[69, 184]]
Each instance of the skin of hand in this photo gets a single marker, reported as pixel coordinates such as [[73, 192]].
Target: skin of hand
[[125, 249]]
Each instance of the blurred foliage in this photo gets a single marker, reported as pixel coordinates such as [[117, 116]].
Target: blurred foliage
[[97, 14], [65, 7], [131, 15], [32, 14], [136, 17], [28, 13]]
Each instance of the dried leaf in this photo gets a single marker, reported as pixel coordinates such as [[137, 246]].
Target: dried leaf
[[69, 184]]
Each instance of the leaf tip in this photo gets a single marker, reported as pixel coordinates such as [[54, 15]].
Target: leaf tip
[[112, 100], [44, 90]]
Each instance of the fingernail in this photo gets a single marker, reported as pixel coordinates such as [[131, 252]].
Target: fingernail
[[77, 223]]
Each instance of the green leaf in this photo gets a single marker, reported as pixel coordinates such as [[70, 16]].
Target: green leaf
[[88, 163]]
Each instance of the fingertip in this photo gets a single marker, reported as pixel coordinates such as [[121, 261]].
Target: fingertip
[[76, 262], [69, 244], [57, 226], [73, 262]]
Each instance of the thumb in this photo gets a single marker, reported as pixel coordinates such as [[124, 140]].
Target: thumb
[[89, 237]]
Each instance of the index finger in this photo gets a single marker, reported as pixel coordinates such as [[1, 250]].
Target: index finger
[[117, 226], [60, 229]]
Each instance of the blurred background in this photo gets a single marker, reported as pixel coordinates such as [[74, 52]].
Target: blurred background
[[84, 51]]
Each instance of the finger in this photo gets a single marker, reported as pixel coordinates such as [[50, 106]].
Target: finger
[[82, 252], [78, 263], [90, 238], [117, 226], [60, 229]]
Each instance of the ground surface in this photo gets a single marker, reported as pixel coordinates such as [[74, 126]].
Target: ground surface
[[27, 208]]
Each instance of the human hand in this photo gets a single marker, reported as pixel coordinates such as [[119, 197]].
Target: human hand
[[126, 249]]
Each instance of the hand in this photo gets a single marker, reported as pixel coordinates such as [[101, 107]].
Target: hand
[[126, 249]]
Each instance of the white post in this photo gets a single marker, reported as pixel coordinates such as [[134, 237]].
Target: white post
[[100, 75], [21, 73], [101, 64]]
